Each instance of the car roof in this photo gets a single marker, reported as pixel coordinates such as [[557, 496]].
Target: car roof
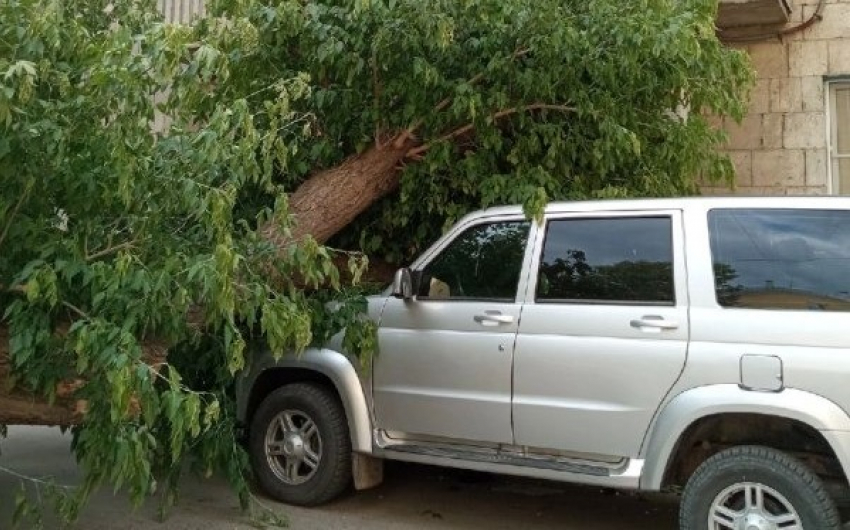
[[681, 203]]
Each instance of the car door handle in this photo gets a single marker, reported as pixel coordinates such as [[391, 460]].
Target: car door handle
[[653, 322], [493, 318]]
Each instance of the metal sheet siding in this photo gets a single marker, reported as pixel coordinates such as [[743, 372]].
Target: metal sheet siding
[[176, 12], [181, 11]]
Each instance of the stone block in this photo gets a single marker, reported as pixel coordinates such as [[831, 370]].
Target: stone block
[[772, 131], [779, 168], [714, 121], [770, 59], [811, 93], [760, 97], [762, 191], [807, 190], [743, 162], [816, 172], [807, 58], [714, 191], [747, 135], [786, 95], [796, 15], [839, 55], [807, 10], [805, 130]]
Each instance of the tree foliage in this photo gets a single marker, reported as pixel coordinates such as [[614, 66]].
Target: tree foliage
[[521, 101], [118, 243]]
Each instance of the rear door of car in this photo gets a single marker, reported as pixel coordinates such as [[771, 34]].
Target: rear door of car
[[604, 331]]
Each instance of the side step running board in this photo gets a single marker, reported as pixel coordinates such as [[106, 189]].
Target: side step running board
[[492, 457]]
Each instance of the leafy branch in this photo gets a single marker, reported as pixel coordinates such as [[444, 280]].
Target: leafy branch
[[410, 133], [461, 131], [111, 249], [15, 210]]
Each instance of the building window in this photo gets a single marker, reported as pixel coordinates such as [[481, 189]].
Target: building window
[[839, 149]]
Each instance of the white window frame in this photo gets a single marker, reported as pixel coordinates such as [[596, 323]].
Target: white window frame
[[832, 135]]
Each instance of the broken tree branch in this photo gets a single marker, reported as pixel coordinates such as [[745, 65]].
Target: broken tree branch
[[79, 312], [110, 250], [21, 200], [408, 134], [417, 152]]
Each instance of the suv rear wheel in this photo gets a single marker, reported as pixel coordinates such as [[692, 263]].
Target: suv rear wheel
[[299, 444], [756, 488]]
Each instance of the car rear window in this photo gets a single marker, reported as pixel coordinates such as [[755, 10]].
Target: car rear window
[[793, 259]]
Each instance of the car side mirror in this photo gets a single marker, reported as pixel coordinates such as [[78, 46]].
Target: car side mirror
[[403, 284]]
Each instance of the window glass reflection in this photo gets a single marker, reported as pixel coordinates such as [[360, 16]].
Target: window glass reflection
[[483, 263], [782, 259], [612, 260]]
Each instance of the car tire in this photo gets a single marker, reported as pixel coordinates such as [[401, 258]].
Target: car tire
[[300, 446], [755, 487]]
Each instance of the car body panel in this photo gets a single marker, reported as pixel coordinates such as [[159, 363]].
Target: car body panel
[[335, 366], [688, 407], [584, 377], [441, 371]]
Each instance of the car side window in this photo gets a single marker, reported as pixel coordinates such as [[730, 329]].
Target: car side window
[[623, 260], [482, 263], [791, 259]]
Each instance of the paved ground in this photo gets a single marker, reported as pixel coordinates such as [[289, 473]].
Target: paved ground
[[412, 498]]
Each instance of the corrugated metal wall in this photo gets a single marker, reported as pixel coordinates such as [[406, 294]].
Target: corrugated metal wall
[[176, 11], [181, 11]]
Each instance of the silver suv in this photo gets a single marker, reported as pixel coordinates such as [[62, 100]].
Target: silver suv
[[699, 345]]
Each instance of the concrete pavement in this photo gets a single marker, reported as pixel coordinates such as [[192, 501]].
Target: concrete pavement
[[412, 498]]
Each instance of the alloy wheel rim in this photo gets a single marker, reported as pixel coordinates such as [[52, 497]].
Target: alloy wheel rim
[[293, 447], [752, 506]]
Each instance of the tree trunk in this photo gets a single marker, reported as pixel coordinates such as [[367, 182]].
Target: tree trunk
[[331, 199], [23, 408], [325, 204]]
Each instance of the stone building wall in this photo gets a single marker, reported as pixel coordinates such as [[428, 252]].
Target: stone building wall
[[781, 147]]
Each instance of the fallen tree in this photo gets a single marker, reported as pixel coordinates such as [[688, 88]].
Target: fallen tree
[[136, 268]]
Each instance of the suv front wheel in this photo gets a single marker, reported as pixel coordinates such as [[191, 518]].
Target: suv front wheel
[[299, 445], [756, 487]]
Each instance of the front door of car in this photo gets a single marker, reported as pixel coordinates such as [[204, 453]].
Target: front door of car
[[604, 332], [443, 369]]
